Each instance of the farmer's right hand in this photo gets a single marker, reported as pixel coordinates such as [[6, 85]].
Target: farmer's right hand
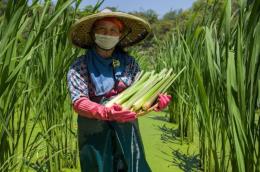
[[117, 113], [87, 108]]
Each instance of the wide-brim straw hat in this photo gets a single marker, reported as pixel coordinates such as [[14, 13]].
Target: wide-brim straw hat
[[135, 29]]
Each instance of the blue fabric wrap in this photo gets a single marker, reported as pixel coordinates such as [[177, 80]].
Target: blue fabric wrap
[[101, 70]]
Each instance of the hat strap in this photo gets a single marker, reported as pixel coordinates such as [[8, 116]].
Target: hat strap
[[123, 37]]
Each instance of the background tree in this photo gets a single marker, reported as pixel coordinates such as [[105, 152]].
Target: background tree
[[150, 15], [171, 15]]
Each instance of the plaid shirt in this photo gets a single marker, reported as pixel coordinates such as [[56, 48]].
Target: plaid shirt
[[79, 83]]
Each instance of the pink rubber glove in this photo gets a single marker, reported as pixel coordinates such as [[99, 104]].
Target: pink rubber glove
[[119, 88], [163, 101], [87, 108], [111, 93]]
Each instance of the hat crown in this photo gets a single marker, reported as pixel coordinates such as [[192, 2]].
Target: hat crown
[[106, 10]]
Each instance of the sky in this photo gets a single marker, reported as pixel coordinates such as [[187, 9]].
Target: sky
[[160, 6]]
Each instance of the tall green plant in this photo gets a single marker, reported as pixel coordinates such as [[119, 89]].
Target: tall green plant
[[220, 85], [36, 121]]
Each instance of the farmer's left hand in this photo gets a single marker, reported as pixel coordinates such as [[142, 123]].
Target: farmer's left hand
[[163, 101]]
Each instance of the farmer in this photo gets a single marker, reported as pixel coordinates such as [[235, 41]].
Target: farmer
[[109, 137]]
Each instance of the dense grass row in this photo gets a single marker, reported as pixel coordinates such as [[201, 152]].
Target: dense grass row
[[36, 121], [220, 88]]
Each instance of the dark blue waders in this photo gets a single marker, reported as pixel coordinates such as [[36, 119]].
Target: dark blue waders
[[110, 146]]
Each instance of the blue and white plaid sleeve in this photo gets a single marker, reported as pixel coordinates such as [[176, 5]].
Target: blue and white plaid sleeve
[[135, 68], [77, 80], [132, 69]]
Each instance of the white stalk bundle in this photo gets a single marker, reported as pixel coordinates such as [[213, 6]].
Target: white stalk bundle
[[142, 94]]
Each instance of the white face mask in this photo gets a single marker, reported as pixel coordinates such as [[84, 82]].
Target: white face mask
[[105, 41]]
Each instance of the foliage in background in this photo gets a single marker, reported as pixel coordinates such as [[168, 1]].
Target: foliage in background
[[220, 87]]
